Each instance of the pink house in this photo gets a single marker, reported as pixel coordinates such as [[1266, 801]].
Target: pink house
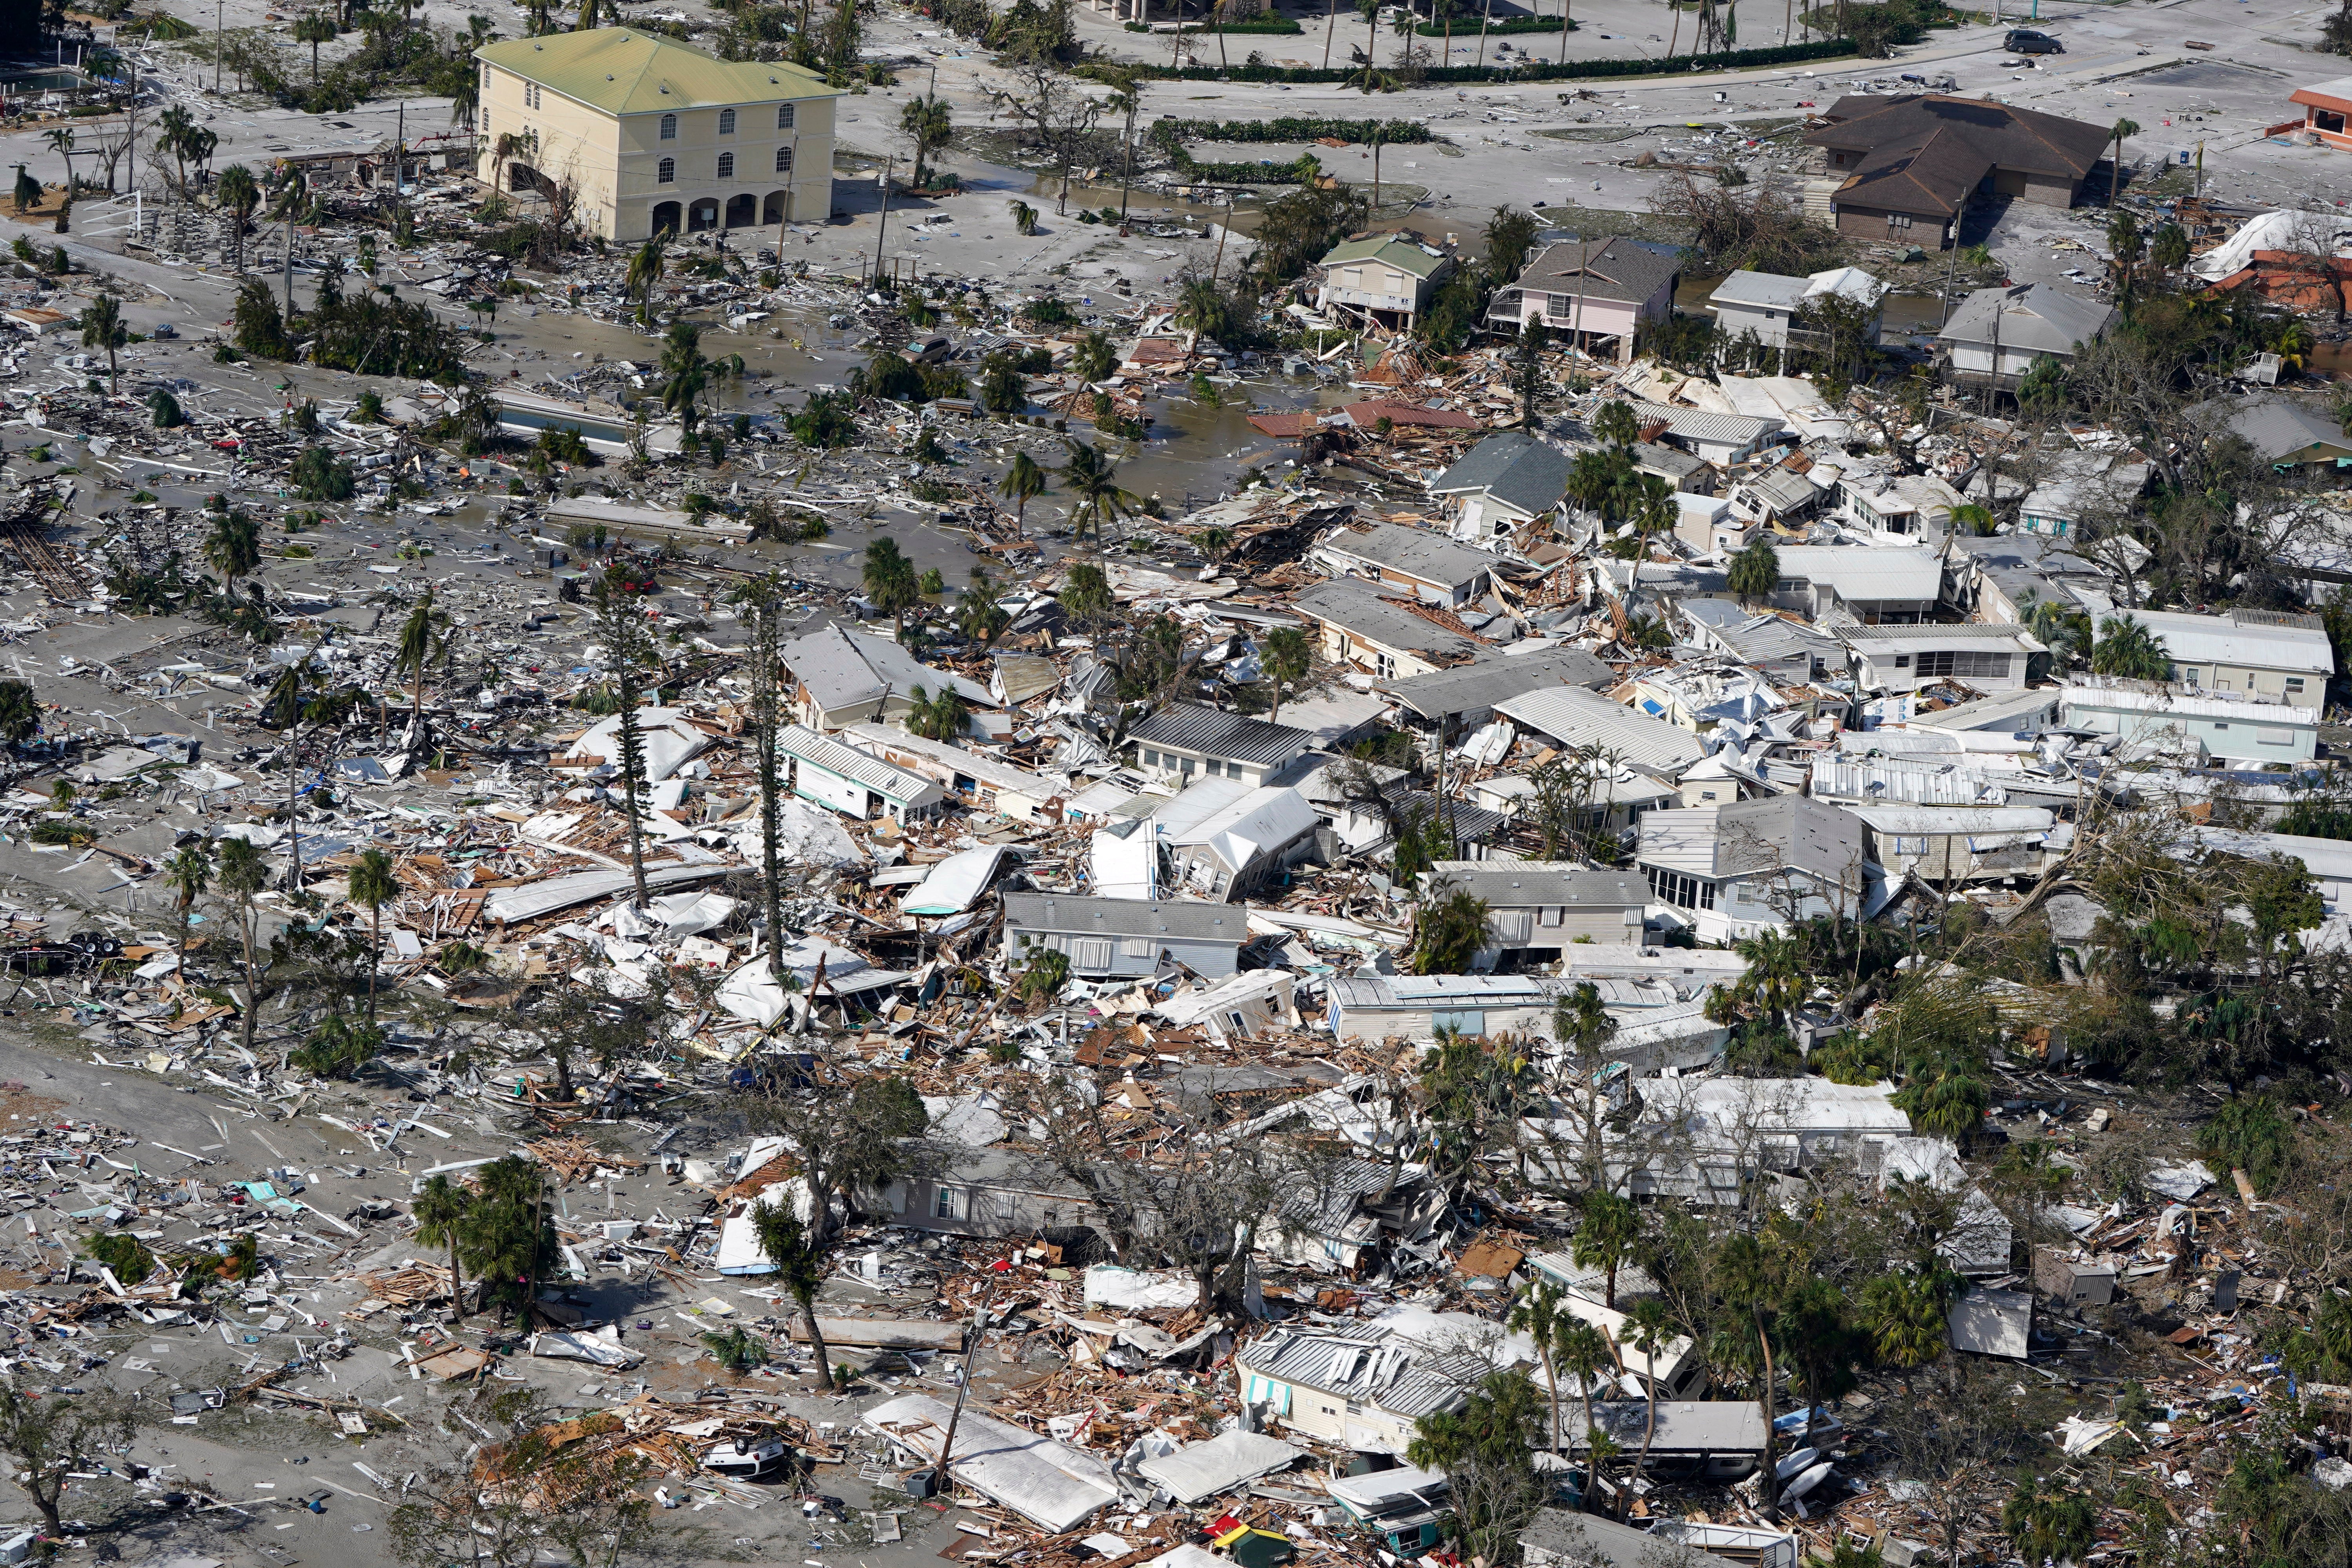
[[1601, 290]]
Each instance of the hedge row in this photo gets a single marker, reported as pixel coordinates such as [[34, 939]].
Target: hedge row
[[1463, 29], [1277, 24], [1170, 133], [1530, 71]]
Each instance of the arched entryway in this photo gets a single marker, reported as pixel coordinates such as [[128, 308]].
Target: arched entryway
[[777, 204], [523, 177], [742, 210], [666, 217], [701, 215]]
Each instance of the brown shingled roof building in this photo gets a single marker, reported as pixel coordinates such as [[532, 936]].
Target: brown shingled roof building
[[1912, 163]]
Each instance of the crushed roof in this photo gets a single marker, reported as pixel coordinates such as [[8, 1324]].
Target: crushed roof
[[1214, 731], [1415, 551]]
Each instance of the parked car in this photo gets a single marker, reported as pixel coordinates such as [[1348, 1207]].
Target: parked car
[[2027, 41]]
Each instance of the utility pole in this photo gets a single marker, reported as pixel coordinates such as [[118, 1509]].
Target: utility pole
[[1951, 273], [963, 1388], [1376, 174], [220, 41], [882, 229], [290, 261]]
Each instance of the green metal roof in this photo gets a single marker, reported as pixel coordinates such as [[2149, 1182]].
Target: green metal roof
[[1396, 252], [623, 71]]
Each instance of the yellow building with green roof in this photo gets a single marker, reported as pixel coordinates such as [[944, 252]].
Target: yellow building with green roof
[[654, 135]]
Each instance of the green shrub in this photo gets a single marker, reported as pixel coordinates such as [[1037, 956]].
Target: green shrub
[[126, 1256], [736, 1349]]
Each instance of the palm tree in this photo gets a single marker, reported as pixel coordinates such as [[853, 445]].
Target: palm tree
[[1748, 1283], [102, 328], [1605, 1237], [1284, 656], [291, 697], [1024, 482], [1536, 1314], [2126, 647], [243, 874], [442, 1208], [1201, 306], [2116, 134], [891, 585], [685, 374], [171, 130], [188, 874], [233, 547], [645, 272], [1584, 1350], [1092, 479], [1656, 513], [1648, 1330], [1370, 10], [373, 886], [316, 27], [1906, 1316], [1214, 545], [237, 193], [940, 717], [1617, 424], [1755, 572], [1094, 359], [424, 637], [924, 121], [1777, 978]]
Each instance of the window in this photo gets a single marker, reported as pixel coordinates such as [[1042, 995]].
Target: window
[[951, 1202], [1553, 915], [1905, 844], [1901, 661], [783, 117], [1150, 758], [1383, 667], [1683, 893], [665, 173], [530, 95], [726, 165], [1212, 767], [784, 159], [2275, 737], [1184, 766], [2327, 119], [1136, 947], [669, 127], [1967, 664], [2295, 683], [1090, 952], [727, 122]]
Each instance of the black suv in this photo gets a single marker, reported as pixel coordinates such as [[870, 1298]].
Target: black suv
[[2026, 41]]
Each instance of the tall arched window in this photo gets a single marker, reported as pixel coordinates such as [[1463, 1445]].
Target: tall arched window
[[784, 159], [669, 127], [726, 165], [727, 122], [666, 174], [783, 117]]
